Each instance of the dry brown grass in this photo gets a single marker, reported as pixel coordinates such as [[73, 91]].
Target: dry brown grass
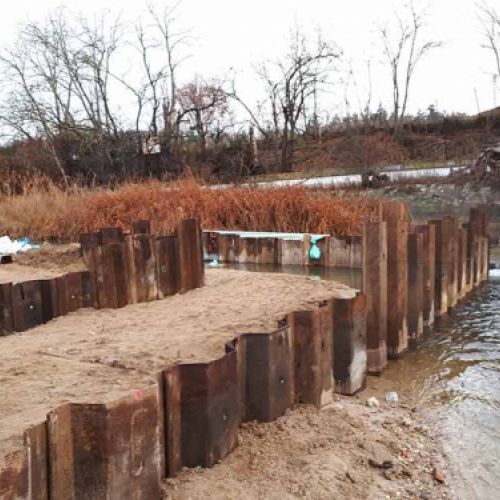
[[47, 213]]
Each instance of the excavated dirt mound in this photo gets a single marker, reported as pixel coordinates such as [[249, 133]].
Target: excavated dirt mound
[[345, 450]]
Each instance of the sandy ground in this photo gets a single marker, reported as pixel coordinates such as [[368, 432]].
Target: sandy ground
[[332, 453], [98, 356]]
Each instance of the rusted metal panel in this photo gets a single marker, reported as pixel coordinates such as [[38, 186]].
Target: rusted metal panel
[[167, 266], [26, 305], [141, 227], [69, 292], [89, 296], [312, 333], [120, 276], [395, 214], [290, 252], [428, 232], [192, 271], [145, 268], [249, 251], [111, 235], [135, 447], [441, 266], [485, 258], [450, 230], [6, 316], [462, 262], [415, 286], [23, 472], [113, 282], [129, 267], [349, 344], [375, 289], [105, 277], [211, 245], [266, 374], [201, 413], [229, 248], [268, 251], [345, 252], [107, 451], [50, 299], [89, 242]]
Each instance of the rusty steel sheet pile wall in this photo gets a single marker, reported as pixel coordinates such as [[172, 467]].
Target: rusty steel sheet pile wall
[[349, 345], [375, 288], [428, 232], [235, 248], [396, 215], [123, 269], [312, 332], [415, 313], [190, 417], [31, 303], [107, 450]]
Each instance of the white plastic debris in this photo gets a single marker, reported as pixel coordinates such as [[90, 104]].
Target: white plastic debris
[[392, 397], [11, 247]]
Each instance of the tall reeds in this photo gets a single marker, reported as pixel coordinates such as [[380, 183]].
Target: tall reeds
[[47, 213]]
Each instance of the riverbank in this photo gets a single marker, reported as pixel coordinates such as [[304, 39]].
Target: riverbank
[[345, 450]]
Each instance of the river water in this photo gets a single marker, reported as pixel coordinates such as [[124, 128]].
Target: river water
[[454, 379]]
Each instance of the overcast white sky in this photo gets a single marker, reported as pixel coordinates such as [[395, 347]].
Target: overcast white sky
[[236, 34]]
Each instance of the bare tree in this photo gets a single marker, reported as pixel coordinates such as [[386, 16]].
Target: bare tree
[[403, 50], [490, 21], [205, 108], [57, 77], [289, 83]]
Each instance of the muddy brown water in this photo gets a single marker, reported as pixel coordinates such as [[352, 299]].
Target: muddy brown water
[[453, 377]]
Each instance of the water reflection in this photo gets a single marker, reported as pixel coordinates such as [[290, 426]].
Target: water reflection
[[454, 376], [350, 277]]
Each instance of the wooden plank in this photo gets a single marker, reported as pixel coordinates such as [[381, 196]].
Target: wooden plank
[[375, 289], [249, 251], [349, 344]]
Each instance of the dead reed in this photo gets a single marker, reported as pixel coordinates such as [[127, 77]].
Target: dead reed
[[47, 213]]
